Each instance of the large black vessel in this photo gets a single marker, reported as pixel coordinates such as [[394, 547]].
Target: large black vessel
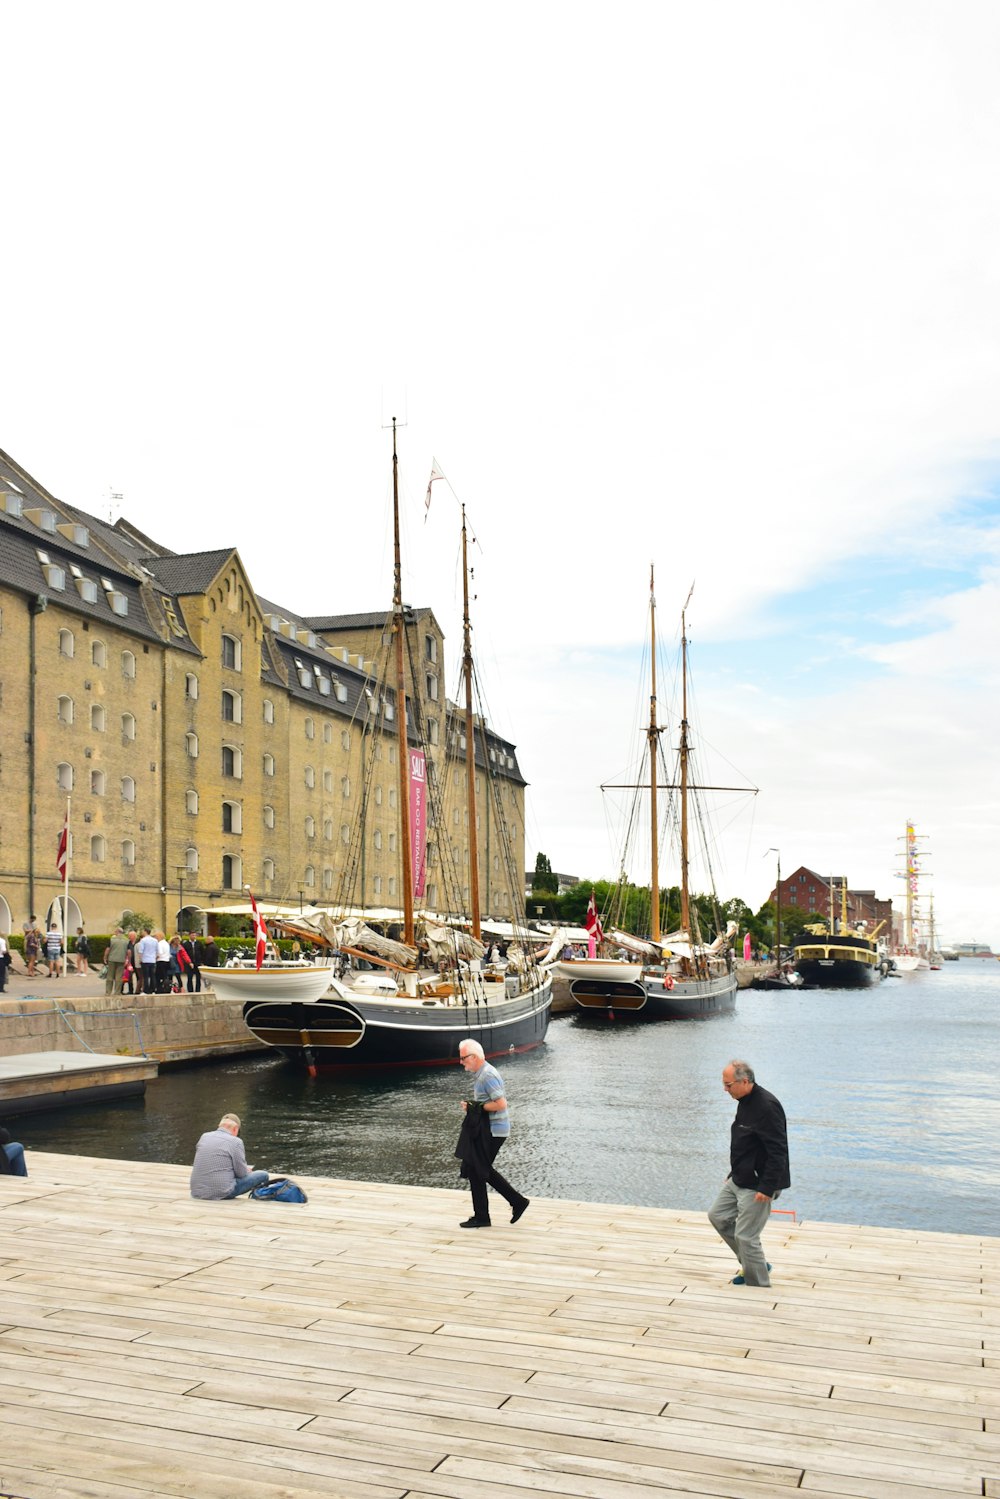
[[841, 961]]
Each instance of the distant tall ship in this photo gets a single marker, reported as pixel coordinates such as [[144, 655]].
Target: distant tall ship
[[911, 957]]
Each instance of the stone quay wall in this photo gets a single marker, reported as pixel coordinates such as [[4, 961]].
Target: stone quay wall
[[166, 1027]]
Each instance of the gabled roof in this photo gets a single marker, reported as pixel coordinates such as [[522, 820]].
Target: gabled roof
[[189, 572], [368, 621]]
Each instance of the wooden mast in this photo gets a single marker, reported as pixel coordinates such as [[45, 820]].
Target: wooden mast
[[403, 746], [685, 894], [470, 742], [653, 734]]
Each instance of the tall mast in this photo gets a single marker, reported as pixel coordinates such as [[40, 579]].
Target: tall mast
[[685, 895], [653, 735], [470, 741], [404, 749]]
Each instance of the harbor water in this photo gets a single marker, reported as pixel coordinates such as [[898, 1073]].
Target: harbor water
[[892, 1096]]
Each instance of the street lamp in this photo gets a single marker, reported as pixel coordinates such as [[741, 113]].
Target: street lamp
[[777, 908], [302, 891], [182, 870]]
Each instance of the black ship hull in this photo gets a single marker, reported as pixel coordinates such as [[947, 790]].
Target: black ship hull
[[356, 1034], [650, 999], [840, 962]]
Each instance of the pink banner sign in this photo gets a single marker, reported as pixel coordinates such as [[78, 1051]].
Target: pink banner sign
[[418, 819]]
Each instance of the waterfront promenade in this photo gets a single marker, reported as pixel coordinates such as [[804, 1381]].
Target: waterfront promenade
[[363, 1345]]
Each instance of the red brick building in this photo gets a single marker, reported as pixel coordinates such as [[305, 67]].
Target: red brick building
[[811, 893]]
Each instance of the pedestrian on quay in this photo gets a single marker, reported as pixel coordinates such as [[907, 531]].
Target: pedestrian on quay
[[54, 950], [758, 1160], [147, 957], [208, 953], [220, 1169], [115, 955], [132, 972], [4, 963], [162, 972], [190, 946], [82, 949], [32, 945], [485, 1128]]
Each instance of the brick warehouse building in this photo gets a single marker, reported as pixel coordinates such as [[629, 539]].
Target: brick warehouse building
[[811, 893], [209, 738]]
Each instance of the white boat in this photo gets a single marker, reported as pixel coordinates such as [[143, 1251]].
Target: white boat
[[598, 968], [302, 983]]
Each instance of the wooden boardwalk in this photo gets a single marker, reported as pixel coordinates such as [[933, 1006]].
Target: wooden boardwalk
[[365, 1346]]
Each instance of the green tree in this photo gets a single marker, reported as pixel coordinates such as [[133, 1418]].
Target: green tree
[[543, 880]]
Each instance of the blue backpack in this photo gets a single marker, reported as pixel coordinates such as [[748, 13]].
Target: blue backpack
[[279, 1190]]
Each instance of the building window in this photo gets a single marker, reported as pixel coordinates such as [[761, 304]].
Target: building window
[[64, 777], [310, 777], [310, 729], [232, 871], [268, 868], [97, 717], [232, 655], [97, 782], [392, 843], [191, 801], [98, 653], [430, 648], [310, 876], [433, 730], [128, 853], [377, 883], [269, 817], [378, 796], [128, 664], [268, 711], [232, 761], [65, 710], [432, 687], [345, 740], [97, 849], [793, 897], [191, 859], [345, 833], [191, 745], [269, 765], [66, 643], [128, 726], [392, 884], [232, 707], [232, 817], [328, 733], [328, 830], [191, 686], [393, 797], [310, 827], [345, 786], [377, 838], [328, 878], [328, 781]]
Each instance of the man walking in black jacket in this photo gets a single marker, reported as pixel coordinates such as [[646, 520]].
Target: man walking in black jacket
[[758, 1159]]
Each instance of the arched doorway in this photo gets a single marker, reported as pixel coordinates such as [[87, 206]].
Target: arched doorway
[[74, 916], [191, 919], [4, 917]]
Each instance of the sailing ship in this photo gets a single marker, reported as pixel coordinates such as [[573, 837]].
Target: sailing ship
[[910, 957], [835, 957], [677, 976], [409, 1001]]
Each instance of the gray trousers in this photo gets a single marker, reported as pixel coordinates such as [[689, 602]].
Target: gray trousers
[[739, 1219], [113, 978]]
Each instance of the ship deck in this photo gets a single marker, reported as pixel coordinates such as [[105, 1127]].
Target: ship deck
[[364, 1346]]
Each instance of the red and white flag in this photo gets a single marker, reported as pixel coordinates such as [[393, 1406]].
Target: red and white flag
[[63, 851], [260, 930], [435, 475], [593, 922]]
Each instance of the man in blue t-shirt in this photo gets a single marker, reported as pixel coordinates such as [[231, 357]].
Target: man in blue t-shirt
[[488, 1094]]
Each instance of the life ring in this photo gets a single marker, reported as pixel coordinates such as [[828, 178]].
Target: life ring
[[668, 981]]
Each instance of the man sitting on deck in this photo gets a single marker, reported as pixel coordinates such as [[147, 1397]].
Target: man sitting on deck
[[220, 1167]]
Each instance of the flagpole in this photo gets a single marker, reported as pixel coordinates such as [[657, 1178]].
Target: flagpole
[[65, 900]]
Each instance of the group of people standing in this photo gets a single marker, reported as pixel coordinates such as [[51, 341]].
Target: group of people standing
[[151, 964]]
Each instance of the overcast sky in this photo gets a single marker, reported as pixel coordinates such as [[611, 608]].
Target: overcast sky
[[711, 286]]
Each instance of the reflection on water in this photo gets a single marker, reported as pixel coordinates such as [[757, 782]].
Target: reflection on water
[[891, 1096]]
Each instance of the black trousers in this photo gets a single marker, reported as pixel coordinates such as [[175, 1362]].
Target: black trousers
[[478, 1184], [194, 981]]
